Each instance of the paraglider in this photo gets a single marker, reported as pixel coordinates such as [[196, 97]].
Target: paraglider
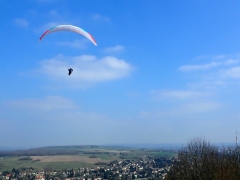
[[70, 70], [69, 28], [72, 29]]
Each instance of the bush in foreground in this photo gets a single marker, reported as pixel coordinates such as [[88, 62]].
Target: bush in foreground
[[201, 160]]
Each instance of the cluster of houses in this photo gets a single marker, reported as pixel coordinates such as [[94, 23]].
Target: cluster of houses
[[146, 167]]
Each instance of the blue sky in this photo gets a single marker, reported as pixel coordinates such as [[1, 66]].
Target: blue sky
[[163, 72]]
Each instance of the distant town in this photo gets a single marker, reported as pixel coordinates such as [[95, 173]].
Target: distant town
[[147, 166]]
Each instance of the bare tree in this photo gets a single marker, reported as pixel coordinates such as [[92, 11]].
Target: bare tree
[[200, 160]]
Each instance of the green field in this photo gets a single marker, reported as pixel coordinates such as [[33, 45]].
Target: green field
[[8, 163], [12, 162], [75, 157]]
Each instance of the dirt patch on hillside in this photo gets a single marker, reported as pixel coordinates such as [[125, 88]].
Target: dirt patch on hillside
[[67, 159]]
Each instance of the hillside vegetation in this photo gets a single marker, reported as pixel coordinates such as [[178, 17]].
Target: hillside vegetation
[[201, 160]]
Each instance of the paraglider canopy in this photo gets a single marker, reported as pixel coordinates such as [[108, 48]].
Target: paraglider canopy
[[69, 28]]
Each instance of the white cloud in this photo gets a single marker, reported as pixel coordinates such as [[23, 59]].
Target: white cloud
[[199, 67], [207, 57], [215, 79], [179, 94], [114, 49], [203, 93], [218, 67], [21, 22], [86, 69], [53, 13], [232, 72], [180, 110], [219, 57], [49, 103], [217, 61], [100, 18], [231, 61], [199, 107]]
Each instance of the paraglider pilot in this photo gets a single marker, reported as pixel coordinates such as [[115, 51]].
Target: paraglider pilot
[[70, 70]]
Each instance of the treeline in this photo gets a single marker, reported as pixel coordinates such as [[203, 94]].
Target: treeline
[[25, 159], [201, 160], [73, 146], [86, 152], [39, 152], [92, 156]]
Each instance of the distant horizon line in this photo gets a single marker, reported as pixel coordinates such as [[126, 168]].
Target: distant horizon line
[[127, 145]]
